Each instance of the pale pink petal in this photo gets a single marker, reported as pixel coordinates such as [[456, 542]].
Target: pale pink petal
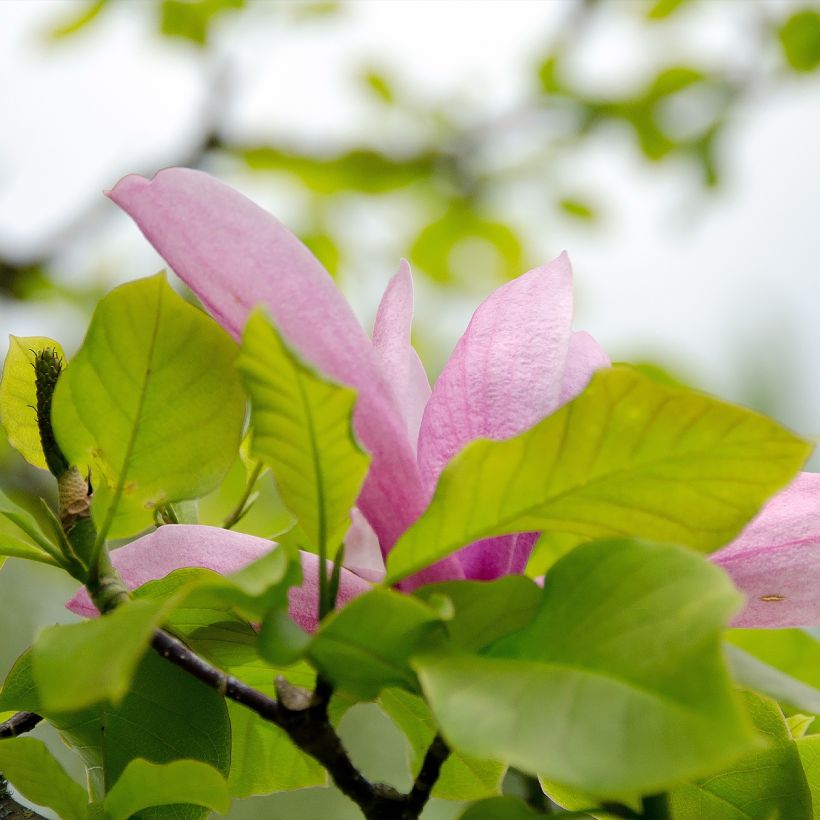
[[303, 601], [234, 256], [584, 357], [175, 546], [506, 370], [400, 363], [363, 556], [775, 561]]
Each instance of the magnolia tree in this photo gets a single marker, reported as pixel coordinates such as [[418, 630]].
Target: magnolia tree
[[547, 563]]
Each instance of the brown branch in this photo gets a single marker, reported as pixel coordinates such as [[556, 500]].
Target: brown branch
[[303, 716], [18, 725]]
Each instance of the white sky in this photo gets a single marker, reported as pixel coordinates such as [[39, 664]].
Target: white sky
[[726, 287]]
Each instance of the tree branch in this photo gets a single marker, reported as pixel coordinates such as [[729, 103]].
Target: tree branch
[[18, 725], [303, 716]]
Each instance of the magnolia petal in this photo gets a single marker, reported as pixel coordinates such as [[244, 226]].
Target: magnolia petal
[[584, 357], [506, 370], [775, 561], [400, 363], [175, 546], [493, 558], [234, 256], [363, 555]]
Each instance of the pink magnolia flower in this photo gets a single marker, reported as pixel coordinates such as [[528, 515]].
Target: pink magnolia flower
[[518, 361]]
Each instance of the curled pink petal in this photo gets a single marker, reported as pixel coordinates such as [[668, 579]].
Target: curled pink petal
[[192, 545], [400, 363], [363, 555], [775, 561], [584, 357], [505, 372], [234, 256]]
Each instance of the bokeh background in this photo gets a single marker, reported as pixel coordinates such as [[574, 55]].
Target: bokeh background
[[671, 146]]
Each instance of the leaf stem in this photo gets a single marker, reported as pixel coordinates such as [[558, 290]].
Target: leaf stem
[[242, 505]]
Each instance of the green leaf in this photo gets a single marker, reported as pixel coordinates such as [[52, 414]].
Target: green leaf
[[766, 783], [145, 784], [263, 758], [367, 646], [578, 208], [29, 766], [25, 522], [753, 673], [379, 85], [11, 547], [617, 686], [485, 611], [793, 651], [629, 456], [462, 777], [153, 400], [18, 396], [808, 748], [78, 665], [661, 9], [192, 19], [460, 226], [77, 21], [252, 592], [167, 715], [800, 39], [281, 641], [500, 808], [799, 725], [302, 428]]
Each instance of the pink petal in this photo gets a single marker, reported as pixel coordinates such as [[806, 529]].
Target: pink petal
[[505, 374], [234, 256], [400, 363], [506, 370], [775, 561], [363, 555], [224, 551], [584, 357]]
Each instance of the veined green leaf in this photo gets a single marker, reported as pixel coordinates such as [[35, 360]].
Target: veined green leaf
[[302, 429], [145, 784], [29, 766], [367, 646], [77, 665], [617, 686], [768, 782], [462, 777], [166, 715], [18, 396], [628, 457], [808, 748], [152, 400]]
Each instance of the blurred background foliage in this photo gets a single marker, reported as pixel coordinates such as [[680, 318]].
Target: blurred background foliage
[[472, 185]]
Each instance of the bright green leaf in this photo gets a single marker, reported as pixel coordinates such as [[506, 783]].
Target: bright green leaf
[[661, 9], [29, 766], [263, 758], [578, 208], [192, 19], [77, 665], [145, 784], [367, 646], [18, 396], [166, 715], [462, 777], [808, 748], [153, 400], [485, 611], [799, 725], [618, 685], [77, 21], [753, 673], [302, 428], [766, 783], [500, 808], [629, 456], [25, 522], [793, 651], [800, 39], [281, 641]]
